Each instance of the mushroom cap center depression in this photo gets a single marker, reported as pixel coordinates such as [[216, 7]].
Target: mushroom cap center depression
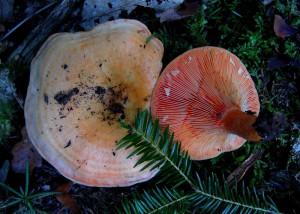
[[91, 89]]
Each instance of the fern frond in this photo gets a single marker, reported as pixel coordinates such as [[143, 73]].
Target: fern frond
[[157, 149], [157, 201]]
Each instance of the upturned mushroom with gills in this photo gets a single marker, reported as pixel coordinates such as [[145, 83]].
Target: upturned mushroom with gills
[[80, 85], [209, 101]]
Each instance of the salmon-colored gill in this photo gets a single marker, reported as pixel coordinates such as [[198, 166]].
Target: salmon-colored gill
[[240, 123]]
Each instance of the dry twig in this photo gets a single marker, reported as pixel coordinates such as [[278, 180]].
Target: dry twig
[[239, 173]]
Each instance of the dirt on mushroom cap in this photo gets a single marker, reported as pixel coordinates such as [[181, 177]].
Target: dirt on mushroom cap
[[80, 84]]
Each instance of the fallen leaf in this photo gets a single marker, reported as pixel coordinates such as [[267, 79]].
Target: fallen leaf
[[98, 11], [169, 15], [67, 199], [4, 170], [24, 152], [188, 8], [281, 28], [277, 63], [295, 63]]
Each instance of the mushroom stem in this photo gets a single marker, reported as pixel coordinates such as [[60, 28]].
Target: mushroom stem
[[240, 123]]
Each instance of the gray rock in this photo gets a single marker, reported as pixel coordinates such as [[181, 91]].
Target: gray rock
[[296, 150]]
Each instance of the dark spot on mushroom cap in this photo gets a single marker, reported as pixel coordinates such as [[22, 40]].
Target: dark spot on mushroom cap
[[63, 97], [125, 100], [100, 90], [68, 144], [46, 99], [116, 108], [65, 66]]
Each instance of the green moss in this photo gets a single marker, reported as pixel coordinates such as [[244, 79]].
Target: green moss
[[17, 69], [7, 115], [196, 27], [259, 170], [287, 8], [174, 42], [290, 48]]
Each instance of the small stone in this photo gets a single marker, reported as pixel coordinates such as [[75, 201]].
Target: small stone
[[296, 150]]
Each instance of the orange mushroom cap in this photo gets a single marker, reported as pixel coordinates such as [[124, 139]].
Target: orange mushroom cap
[[203, 95], [80, 84]]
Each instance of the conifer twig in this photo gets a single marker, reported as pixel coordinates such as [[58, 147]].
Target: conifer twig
[[158, 150]]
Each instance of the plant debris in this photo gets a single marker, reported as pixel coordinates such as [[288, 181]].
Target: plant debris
[[64, 97], [66, 198], [98, 11], [282, 29], [24, 152]]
